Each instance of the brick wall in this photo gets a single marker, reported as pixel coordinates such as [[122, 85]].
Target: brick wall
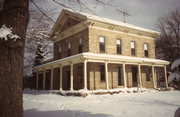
[[74, 40], [110, 43]]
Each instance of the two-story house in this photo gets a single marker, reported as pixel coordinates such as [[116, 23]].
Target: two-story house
[[92, 52]]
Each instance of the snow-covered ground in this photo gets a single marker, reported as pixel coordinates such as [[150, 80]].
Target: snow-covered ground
[[145, 104]]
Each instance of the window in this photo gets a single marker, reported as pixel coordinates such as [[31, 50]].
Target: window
[[102, 73], [148, 73], [80, 74], [134, 73], [80, 45], [118, 44], [69, 49], [60, 49], [102, 44], [120, 78], [145, 49], [133, 50]]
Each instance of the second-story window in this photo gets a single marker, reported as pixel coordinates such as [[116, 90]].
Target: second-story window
[[145, 49], [133, 48], [69, 49], [60, 49], [102, 44], [118, 44], [80, 45]]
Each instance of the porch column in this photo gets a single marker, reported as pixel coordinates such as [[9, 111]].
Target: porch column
[[153, 76], [71, 80], [124, 75], [37, 79], [52, 75], [106, 75], [165, 75], [85, 74], [60, 77], [44, 78], [139, 72]]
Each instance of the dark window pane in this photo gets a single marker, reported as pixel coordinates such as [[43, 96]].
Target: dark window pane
[[102, 47], [118, 49], [80, 48], [60, 55], [133, 52], [134, 74], [102, 73], [146, 53], [148, 73], [80, 74]]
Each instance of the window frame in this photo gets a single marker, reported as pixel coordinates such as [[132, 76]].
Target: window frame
[[119, 46], [146, 51], [60, 51], [133, 50], [80, 45], [102, 47], [69, 49]]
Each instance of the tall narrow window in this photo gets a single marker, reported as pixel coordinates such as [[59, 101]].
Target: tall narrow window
[[60, 49], [118, 44], [69, 49], [145, 49], [148, 73], [80, 45], [80, 74], [102, 44], [102, 73], [133, 49]]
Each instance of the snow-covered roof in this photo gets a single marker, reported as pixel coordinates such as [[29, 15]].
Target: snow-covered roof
[[110, 21], [102, 57], [125, 58]]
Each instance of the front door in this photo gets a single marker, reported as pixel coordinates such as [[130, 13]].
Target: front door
[[134, 76]]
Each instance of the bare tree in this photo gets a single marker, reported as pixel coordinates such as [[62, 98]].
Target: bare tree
[[168, 45], [38, 31]]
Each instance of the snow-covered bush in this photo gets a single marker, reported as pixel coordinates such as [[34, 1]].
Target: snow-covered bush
[[174, 77]]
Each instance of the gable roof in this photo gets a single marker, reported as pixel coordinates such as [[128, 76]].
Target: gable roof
[[86, 16]]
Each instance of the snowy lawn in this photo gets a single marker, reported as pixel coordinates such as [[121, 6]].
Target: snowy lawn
[[145, 104]]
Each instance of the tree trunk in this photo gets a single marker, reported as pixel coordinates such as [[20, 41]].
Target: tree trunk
[[14, 15]]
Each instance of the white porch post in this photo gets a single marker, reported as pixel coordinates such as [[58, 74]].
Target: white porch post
[[106, 75], [44, 78], [52, 75], [139, 72], [165, 75], [124, 75], [153, 76], [71, 80], [60, 75], [37, 79], [85, 74]]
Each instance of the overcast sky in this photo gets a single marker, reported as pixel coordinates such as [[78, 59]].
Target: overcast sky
[[143, 13]]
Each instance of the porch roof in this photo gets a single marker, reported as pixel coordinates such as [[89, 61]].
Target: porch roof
[[94, 57]]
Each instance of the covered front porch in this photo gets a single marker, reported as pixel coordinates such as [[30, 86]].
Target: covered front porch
[[100, 71]]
